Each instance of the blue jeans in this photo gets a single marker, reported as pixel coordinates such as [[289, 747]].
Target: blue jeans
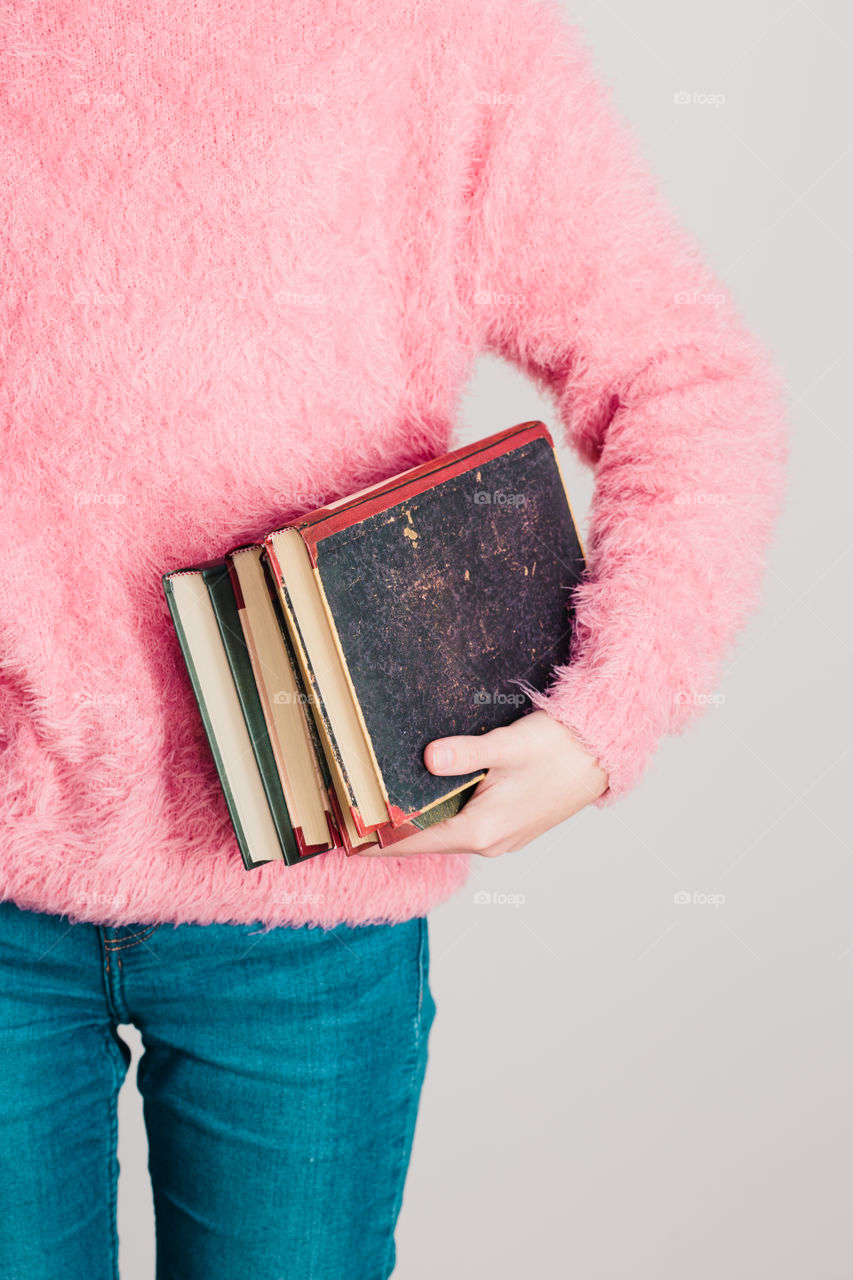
[[280, 1080]]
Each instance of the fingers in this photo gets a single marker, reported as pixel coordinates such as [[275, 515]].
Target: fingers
[[468, 754], [466, 832], [434, 840]]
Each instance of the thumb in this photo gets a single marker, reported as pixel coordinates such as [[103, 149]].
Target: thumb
[[465, 754]]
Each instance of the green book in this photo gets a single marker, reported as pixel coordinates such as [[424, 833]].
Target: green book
[[200, 638], [221, 591]]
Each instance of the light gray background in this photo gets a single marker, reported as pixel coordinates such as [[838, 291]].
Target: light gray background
[[621, 1086]]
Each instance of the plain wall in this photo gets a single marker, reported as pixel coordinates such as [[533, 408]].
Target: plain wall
[[621, 1084]]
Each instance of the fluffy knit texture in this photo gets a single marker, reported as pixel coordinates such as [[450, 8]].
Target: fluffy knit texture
[[252, 251]]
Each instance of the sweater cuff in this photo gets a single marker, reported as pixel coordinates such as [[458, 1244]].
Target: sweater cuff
[[594, 710], [617, 699]]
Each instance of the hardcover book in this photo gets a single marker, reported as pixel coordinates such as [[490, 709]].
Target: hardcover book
[[332, 651]]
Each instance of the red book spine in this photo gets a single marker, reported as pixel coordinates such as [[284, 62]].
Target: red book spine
[[330, 519]]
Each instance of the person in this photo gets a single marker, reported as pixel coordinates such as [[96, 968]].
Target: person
[[250, 256]]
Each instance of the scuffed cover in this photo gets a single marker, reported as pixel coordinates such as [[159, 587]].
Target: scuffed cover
[[443, 599]]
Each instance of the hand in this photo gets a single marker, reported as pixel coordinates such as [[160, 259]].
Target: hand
[[538, 775]]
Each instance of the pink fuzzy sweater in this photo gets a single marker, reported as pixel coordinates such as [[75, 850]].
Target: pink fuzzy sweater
[[251, 251]]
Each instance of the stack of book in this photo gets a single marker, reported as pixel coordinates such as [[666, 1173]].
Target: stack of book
[[325, 656]]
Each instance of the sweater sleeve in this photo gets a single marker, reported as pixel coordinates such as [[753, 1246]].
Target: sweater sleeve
[[584, 279]]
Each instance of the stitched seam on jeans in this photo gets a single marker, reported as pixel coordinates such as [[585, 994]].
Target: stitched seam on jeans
[[122, 945], [421, 950], [112, 1181], [133, 937], [414, 1100], [117, 941]]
